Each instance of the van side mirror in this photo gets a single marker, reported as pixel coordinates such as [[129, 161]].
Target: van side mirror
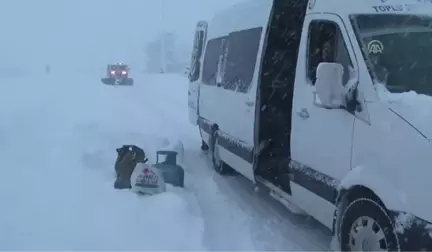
[[329, 88]]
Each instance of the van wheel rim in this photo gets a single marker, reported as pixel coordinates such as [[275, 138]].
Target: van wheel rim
[[367, 235], [216, 155]]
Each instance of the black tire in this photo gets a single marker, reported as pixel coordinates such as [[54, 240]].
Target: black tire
[[218, 165], [368, 209]]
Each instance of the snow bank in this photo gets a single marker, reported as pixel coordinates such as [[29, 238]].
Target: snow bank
[[168, 221], [57, 154], [77, 218]]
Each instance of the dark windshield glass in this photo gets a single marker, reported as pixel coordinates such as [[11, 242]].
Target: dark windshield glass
[[118, 67], [397, 49]]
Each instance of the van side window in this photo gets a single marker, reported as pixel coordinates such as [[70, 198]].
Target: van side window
[[242, 56], [196, 55], [211, 60], [326, 44]]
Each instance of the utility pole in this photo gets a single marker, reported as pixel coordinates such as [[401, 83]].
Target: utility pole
[[163, 54]]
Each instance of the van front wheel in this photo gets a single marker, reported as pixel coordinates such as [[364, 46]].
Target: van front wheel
[[218, 165], [366, 226]]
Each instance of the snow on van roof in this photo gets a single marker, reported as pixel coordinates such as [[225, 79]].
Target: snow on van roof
[[255, 13], [346, 7], [241, 16]]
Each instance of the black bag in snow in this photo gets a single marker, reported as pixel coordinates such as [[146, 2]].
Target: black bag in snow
[[127, 158]]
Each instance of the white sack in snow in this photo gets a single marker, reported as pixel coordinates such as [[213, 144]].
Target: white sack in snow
[[147, 180]]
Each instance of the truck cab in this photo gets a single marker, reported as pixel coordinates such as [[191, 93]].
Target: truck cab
[[117, 74], [326, 104]]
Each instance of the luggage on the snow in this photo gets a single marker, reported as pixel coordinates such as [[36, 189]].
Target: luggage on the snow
[[172, 172], [128, 156], [147, 180], [133, 171]]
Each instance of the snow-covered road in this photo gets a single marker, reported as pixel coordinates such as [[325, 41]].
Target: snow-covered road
[[57, 149]]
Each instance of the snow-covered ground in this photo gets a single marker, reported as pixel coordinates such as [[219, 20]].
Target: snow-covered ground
[[57, 148]]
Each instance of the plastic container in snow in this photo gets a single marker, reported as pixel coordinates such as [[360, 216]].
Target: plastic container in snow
[[172, 172]]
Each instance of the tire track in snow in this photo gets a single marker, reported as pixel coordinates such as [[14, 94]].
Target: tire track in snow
[[272, 227]]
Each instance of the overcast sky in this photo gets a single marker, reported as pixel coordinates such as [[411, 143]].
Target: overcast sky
[[91, 32]]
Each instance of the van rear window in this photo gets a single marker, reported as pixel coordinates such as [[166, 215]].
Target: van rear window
[[242, 56], [231, 60]]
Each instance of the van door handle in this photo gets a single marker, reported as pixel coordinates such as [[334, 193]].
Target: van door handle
[[303, 113], [250, 103]]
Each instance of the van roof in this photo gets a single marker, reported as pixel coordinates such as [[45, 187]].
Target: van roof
[[347, 7], [241, 16], [255, 13]]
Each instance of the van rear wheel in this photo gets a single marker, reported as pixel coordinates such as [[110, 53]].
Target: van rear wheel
[[366, 226], [218, 165]]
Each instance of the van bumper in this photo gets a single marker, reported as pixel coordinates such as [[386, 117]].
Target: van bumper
[[414, 234]]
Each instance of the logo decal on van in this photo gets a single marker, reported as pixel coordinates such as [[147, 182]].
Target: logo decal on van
[[375, 47]]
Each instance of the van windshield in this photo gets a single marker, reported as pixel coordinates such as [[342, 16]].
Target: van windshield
[[397, 49]]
